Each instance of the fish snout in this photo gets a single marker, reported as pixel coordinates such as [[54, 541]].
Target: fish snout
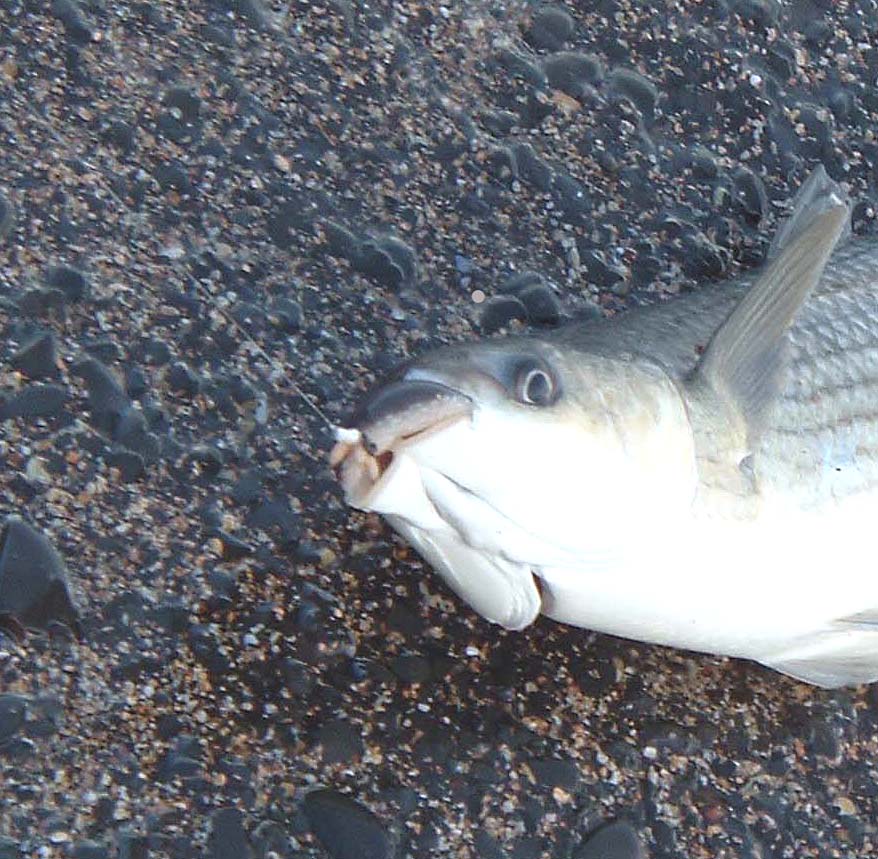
[[390, 418], [404, 408]]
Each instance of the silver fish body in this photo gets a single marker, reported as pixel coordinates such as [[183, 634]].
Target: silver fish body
[[702, 473]]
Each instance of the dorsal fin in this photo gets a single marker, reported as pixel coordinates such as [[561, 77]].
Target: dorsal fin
[[745, 361]]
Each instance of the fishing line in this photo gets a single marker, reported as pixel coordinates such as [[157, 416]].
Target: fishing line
[[297, 389]]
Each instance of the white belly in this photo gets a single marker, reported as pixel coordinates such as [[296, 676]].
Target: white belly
[[794, 590]]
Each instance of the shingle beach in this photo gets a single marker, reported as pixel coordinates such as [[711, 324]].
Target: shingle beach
[[203, 651]]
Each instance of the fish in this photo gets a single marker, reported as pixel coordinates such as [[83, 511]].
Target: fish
[[700, 473]]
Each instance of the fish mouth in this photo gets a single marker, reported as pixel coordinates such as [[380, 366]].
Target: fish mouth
[[390, 419]]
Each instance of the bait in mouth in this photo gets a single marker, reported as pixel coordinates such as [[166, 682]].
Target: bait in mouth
[[702, 473]]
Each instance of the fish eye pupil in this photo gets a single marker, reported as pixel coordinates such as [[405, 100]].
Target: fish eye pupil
[[536, 387]]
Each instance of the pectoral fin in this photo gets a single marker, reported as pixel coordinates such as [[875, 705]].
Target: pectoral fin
[[744, 364]]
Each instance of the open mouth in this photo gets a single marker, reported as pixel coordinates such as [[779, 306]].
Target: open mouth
[[390, 420]]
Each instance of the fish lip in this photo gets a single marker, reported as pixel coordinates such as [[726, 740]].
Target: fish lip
[[415, 391], [390, 418]]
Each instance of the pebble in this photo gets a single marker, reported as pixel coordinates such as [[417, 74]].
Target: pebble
[[70, 281], [182, 379], [345, 827], [411, 668], [531, 167], [388, 261], [341, 742], [550, 28], [522, 67], [636, 88], [7, 217], [228, 838], [541, 303], [131, 465], [13, 711], [181, 118], [499, 310], [750, 194], [33, 578], [107, 400], [569, 71], [120, 134], [34, 401], [617, 840], [75, 24]]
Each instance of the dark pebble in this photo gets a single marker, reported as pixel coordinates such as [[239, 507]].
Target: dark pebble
[[522, 67], [136, 383], [568, 71], [254, 12], [10, 848], [183, 102], [228, 838], [38, 357], [600, 272], [345, 828], [519, 281], [543, 308], [487, 847], [131, 465], [90, 850], [340, 241], [704, 164], [572, 197], [637, 89], [41, 302], [34, 401], [550, 28], [13, 711], [276, 515], [499, 311], [7, 217], [107, 399], [173, 177], [286, 315], [131, 431], [75, 24], [532, 168], [132, 845], [762, 12], [341, 742], [702, 259], [233, 549], [388, 261], [182, 379], [549, 771], [157, 352], [69, 280], [104, 349], [119, 134], [269, 840], [750, 194], [33, 579], [411, 668], [617, 840], [823, 739], [665, 838]]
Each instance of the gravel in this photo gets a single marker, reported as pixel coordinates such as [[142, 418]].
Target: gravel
[[220, 657]]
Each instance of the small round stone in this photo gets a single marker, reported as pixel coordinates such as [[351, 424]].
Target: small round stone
[[551, 28], [345, 827], [499, 310]]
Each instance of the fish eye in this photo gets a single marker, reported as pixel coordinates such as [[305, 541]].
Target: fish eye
[[535, 386]]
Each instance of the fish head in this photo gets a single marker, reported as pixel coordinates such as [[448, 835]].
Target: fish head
[[503, 458]]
